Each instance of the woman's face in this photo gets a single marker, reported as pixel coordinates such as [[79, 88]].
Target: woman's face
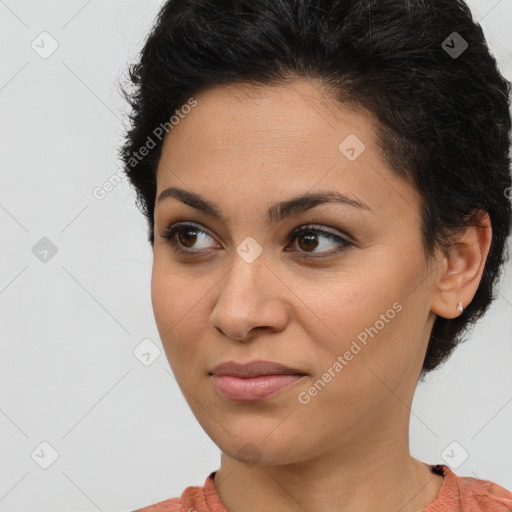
[[354, 318]]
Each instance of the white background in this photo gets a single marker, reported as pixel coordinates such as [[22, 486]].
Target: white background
[[124, 434]]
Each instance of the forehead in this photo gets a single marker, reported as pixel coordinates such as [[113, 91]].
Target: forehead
[[276, 141], [287, 126], [226, 112]]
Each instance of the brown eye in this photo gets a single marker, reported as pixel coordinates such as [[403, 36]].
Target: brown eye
[[309, 238], [187, 237], [311, 241], [183, 237]]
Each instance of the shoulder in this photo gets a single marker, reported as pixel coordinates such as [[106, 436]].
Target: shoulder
[[170, 505], [194, 498], [483, 495], [468, 494]]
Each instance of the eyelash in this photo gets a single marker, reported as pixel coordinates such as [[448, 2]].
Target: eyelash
[[170, 232]]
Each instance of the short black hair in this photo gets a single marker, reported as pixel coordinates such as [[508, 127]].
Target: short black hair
[[441, 108]]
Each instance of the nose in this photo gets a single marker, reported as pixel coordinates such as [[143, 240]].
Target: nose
[[250, 297]]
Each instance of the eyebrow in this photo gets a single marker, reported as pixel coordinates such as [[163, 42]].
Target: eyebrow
[[276, 213]]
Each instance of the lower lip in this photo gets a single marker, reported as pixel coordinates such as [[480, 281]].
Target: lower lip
[[254, 388]]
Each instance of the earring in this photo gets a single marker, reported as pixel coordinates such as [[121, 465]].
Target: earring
[[460, 309]]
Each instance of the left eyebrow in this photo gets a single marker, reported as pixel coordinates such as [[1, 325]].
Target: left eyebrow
[[276, 213]]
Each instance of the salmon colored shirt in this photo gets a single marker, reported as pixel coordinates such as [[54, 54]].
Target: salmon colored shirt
[[457, 494]]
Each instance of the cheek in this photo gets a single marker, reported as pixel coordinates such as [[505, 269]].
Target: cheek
[[162, 299], [363, 319], [178, 307], [347, 307], [170, 298], [173, 294]]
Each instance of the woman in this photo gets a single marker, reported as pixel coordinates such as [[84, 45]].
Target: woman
[[326, 185]]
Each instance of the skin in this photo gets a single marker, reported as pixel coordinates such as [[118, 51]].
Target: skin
[[245, 149]]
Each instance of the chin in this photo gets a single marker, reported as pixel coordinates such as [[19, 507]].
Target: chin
[[260, 447]]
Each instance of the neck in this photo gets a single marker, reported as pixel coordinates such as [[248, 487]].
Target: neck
[[362, 479]]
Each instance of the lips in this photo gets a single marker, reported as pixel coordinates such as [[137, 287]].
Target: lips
[[253, 369], [253, 381]]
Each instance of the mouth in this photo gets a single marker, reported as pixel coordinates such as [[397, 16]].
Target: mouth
[[254, 369], [254, 380]]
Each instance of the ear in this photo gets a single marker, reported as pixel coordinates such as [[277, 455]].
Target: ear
[[461, 269]]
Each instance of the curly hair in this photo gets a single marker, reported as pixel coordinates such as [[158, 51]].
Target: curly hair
[[443, 116]]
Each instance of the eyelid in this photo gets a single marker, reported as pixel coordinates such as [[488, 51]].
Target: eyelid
[[169, 231], [340, 237], [335, 233]]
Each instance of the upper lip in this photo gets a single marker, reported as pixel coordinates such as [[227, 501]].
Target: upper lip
[[253, 369]]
